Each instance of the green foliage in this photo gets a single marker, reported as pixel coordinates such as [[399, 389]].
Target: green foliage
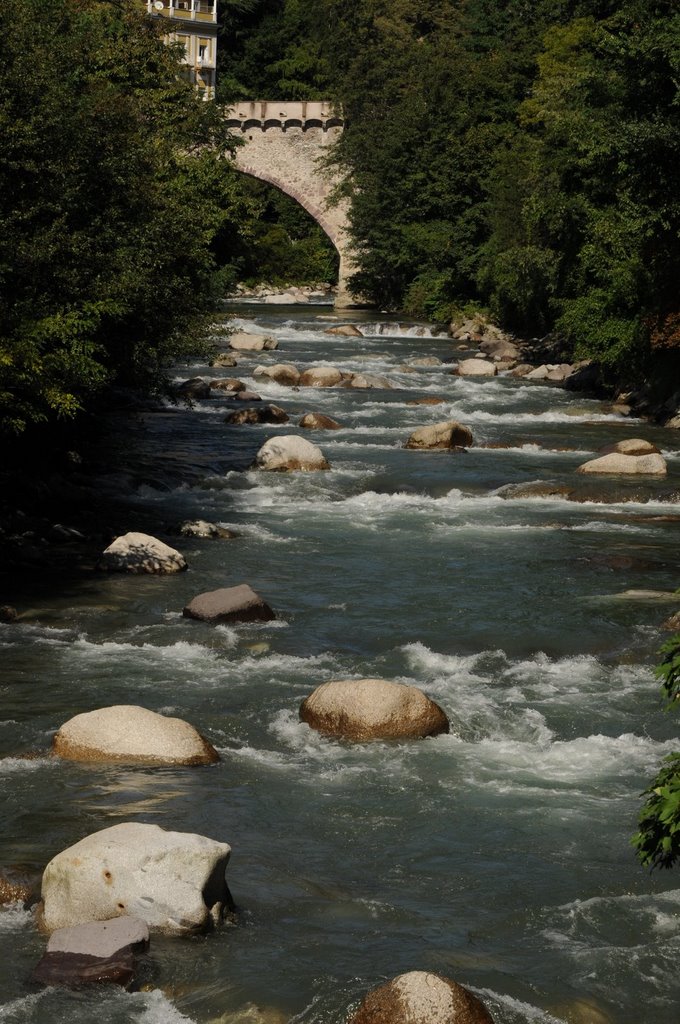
[[658, 840], [111, 189]]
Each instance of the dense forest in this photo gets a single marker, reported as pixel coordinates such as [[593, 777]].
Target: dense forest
[[523, 157]]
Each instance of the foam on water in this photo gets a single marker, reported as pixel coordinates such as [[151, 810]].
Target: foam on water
[[15, 917], [17, 765]]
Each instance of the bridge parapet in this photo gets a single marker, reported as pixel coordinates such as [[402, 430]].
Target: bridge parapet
[[283, 114]]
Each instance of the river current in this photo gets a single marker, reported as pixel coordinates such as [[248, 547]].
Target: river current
[[498, 855]]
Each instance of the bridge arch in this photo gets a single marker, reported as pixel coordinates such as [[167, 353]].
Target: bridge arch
[[284, 144]]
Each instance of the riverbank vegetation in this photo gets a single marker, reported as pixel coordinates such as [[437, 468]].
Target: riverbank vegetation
[[521, 157], [112, 186]]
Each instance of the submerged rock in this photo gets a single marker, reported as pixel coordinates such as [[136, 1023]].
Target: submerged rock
[[290, 452], [317, 421], [174, 881], [449, 434], [99, 952], [368, 380], [141, 553], [428, 400], [534, 489], [201, 528], [262, 414], [372, 709], [129, 734], [420, 997], [229, 604]]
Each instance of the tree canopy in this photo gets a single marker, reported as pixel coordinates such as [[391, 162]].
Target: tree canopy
[[112, 185]]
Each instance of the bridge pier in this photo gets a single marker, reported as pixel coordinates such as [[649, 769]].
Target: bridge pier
[[286, 144]]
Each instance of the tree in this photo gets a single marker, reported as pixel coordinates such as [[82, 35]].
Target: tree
[[658, 840], [112, 186]]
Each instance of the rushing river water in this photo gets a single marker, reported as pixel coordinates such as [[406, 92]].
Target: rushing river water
[[498, 855]]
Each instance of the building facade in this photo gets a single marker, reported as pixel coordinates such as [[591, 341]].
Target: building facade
[[193, 23]]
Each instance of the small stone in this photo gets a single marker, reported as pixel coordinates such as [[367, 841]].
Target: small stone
[[476, 368], [224, 359], [141, 553], [243, 341], [8, 613], [290, 452], [345, 331], [449, 434], [317, 421], [201, 528], [231, 384], [320, 377], [247, 396], [229, 604], [280, 373]]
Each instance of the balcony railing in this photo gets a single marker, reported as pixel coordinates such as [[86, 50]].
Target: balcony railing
[[185, 10]]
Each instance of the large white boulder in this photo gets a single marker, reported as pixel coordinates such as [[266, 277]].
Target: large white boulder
[[243, 341], [476, 368], [420, 997], [449, 434], [129, 734], [175, 881], [141, 553], [290, 452], [372, 709]]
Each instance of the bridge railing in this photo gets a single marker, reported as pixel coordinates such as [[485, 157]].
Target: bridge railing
[[283, 114]]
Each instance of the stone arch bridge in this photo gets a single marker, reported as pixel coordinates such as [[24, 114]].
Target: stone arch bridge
[[284, 145]]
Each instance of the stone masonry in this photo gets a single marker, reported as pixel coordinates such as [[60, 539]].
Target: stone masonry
[[285, 145]]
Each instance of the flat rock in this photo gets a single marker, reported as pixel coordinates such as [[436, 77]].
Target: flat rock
[[372, 709], [280, 373], [476, 368], [229, 604], [290, 452], [201, 528], [631, 446], [345, 331], [261, 414], [174, 881], [130, 734], [320, 377], [449, 434], [616, 463], [73, 970], [420, 997], [317, 421], [141, 553], [102, 938], [232, 384], [244, 341]]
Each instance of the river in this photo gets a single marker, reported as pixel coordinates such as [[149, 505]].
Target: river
[[498, 855]]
